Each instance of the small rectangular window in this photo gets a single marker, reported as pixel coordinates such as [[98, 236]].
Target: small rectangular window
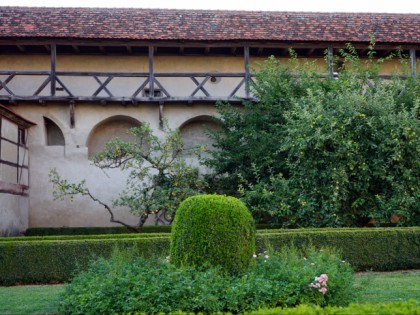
[[22, 136], [156, 93]]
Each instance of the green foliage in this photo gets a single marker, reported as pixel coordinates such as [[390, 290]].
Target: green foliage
[[30, 300], [52, 261], [313, 152], [365, 249], [158, 177], [396, 308], [385, 287], [48, 259], [93, 230], [125, 284], [213, 230]]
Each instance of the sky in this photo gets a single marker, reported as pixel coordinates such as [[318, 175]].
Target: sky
[[386, 6]]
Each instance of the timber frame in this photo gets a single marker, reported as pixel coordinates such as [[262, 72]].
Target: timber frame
[[21, 143], [150, 88]]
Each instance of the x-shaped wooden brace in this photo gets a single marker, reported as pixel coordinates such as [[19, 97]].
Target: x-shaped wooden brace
[[103, 85], [200, 86]]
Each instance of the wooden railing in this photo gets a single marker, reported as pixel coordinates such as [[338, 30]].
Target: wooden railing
[[41, 86]]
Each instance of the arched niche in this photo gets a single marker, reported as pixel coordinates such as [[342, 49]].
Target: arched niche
[[116, 126], [194, 133], [53, 133]]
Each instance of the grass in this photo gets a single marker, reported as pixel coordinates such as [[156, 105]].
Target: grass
[[30, 299], [374, 287], [383, 287]]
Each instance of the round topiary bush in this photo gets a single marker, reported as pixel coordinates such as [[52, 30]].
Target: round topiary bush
[[213, 230]]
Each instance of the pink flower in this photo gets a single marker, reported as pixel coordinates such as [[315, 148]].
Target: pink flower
[[323, 290]]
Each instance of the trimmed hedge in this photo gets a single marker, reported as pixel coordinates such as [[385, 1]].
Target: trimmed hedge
[[213, 230], [379, 249], [110, 230], [81, 237], [401, 308], [94, 230], [396, 308], [55, 260]]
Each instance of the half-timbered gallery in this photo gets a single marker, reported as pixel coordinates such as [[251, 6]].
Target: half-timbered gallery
[[72, 78]]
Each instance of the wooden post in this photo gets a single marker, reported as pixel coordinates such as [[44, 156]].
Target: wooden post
[[413, 62], [53, 68], [247, 74], [330, 59], [151, 73], [161, 117], [72, 121]]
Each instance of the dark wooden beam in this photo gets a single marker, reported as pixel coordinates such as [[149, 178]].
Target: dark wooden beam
[[161, 116], [237, 44], [151, 71], [53, 68], [330, 59], [247, 70], [413, 62], [72, 121], [21, 48], [310, 52], [14, 189]]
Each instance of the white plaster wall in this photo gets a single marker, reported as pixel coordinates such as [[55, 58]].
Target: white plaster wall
[[72, 163], [13, 214]]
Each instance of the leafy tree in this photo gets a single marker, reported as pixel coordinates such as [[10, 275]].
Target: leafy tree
[[158, 177], [318, 152]]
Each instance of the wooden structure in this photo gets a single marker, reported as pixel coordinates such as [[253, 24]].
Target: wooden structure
[[82, 74]]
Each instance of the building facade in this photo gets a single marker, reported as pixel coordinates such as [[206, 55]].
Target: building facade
[[85, 75]]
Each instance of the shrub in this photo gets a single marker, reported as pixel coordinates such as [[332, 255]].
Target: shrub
[[48, 259], [93, 230], [52, 261], [126, 284], [400, 308], [312, 152], [213, 230]]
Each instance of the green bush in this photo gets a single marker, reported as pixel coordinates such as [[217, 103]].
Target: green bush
[[365, 249], [213, 230], [49, 259], [94, 230], [346, 150], [125, 284], [57, 261], [397, 308]]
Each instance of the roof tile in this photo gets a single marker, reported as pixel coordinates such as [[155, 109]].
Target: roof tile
[[202, 25]]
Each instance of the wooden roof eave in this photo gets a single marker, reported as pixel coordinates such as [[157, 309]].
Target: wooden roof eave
[[12, 116], [22, 41]]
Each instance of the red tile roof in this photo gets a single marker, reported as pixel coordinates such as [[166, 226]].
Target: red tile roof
[[197, 25]]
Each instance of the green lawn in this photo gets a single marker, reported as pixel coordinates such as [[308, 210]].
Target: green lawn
[[380, 287], [375, 287], [30, 299]]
